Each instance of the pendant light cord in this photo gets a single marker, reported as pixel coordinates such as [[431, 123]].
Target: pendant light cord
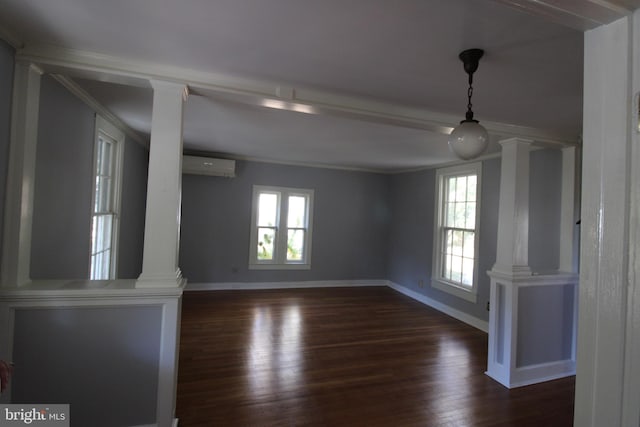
[[469, 115]]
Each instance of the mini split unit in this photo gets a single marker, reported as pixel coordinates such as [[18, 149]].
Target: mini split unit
[[195, 165]]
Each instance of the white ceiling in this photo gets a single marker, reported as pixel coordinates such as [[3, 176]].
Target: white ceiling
[[398, 56]]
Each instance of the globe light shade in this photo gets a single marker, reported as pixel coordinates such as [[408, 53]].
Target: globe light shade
[[468, 140]]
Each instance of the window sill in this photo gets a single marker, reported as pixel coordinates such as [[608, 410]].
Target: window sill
[[279, 266], [466, 294]]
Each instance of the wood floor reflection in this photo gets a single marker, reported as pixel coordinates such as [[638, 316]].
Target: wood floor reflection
[[344, 357]]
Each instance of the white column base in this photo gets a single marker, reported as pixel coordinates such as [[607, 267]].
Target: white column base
[[506, 347], [512, 270], [152, 281]]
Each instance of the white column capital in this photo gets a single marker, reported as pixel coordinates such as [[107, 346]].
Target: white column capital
[[515, 141], [167, 86]]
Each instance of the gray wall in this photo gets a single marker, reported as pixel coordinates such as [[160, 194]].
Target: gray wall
[[132, 214], [60, 247], [350, 230], [545, 187], [545, 335], [6, 86], [411, 235], [102, 361]]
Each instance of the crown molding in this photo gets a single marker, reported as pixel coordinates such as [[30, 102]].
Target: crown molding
[[11, 38], [580, 15], [76, 63], [73, 87]]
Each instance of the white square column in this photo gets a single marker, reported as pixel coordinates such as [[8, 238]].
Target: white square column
[[512, 256], [525, 305], [16, 247], [164, 188]]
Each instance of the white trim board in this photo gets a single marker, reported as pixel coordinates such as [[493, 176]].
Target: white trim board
[[236, 286], [483, 325]]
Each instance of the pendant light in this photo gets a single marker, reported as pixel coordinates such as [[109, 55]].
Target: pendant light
[[470, 139]]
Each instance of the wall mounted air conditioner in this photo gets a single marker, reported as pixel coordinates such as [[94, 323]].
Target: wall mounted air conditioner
[[195, 165]]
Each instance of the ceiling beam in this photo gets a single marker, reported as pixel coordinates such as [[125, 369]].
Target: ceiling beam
[[74, 63], [578, 14]]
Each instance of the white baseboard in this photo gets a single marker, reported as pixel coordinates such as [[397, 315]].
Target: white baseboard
[[534, 374], [457, 314], [483, 325], [282, 285]]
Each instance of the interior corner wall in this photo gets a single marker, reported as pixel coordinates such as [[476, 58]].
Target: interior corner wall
[[545, 188], [132, 213], [6, 86], [60, 245], [350, 224], [411, 235]]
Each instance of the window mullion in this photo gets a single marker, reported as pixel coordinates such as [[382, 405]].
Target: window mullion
[[282, 234]]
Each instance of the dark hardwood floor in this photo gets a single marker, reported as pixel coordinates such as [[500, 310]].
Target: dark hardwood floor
[[344, 357]]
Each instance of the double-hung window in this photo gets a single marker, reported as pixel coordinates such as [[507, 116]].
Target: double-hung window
[[456, 230], [281, 228], [106, 200]]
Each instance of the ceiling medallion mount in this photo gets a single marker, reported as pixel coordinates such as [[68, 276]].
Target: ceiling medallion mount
[[469, 139]]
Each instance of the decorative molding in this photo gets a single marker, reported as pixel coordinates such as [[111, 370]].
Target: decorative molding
[[220, 286], [535, 279], [580, 15], [89, 292], [100, 109], [11, 37], [534, 374], [263, 93]]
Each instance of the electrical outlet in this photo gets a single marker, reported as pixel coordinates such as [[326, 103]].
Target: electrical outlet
[[421, 283], [488, 305]]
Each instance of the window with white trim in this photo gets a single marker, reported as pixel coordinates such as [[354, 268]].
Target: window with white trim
[[106, 200], [281, 228], [455, 260]]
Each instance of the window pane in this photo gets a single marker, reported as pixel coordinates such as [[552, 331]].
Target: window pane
[[101, 233], [295, 245], [266, 239], [446, 272], [100, 263], [456, 243], [103, 194], [469, 244], [456, 269], [461, 188], [267, 209], [470, 216], [450, 191], [297, 211], [105, 156], [471, 188], [459, 216], [449, 215], [467, 271]]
